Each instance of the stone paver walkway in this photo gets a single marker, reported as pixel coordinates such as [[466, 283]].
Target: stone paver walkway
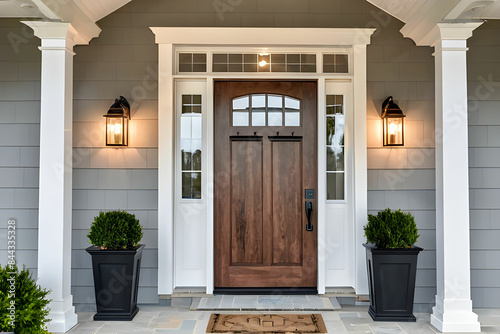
[[351, 319]]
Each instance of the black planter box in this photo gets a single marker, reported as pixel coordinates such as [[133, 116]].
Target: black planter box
[[391, 280], [116, 281]]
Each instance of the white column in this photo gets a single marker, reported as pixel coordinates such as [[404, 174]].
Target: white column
[[453, 310], [55, 198], [360, 165], [166, 170]]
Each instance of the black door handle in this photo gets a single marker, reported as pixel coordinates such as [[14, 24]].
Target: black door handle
[[309, 208]]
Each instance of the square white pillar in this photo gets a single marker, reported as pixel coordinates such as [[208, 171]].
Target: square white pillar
[[55, 189], [453, 310], [361, 170]]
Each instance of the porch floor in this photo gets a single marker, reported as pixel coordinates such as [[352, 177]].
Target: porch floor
[[181, 320]]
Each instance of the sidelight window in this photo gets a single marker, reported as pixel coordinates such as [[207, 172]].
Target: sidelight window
[[191, 146], [335, 122], [266, 110]]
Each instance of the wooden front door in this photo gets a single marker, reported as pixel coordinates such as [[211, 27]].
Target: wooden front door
[[265, 177]]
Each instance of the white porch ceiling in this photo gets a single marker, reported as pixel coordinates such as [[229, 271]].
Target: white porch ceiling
[[15, 8], [82, 14], [421, 16], [401, 10], [94, 9], [405, 10], [97, 9], [480, 10]]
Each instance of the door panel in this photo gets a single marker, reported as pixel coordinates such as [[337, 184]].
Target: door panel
[[246, 202], [287, 203], [276, 277], [261, 173]]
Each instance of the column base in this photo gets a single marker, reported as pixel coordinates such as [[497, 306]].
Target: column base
[[63, 316], [454, 316]]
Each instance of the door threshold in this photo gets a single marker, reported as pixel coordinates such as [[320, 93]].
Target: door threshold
[[272, 303], [266, 291]]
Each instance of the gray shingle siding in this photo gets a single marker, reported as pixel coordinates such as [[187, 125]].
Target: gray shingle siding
[[19, 139], [483, 62]]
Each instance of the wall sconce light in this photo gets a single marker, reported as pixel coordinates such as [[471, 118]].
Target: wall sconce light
[[117, 123], [393, 123]]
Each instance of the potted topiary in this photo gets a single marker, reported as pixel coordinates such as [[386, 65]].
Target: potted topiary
[[391, 259], [116, 260], [23, 304]]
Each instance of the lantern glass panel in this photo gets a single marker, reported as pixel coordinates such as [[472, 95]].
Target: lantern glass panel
[[116, 131], [393, 131]]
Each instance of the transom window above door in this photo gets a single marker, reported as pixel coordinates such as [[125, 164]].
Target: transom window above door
[[266, 110], [273, 62], [264, 62]]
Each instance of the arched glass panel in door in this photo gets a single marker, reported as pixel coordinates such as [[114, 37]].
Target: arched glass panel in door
[[266, 110]]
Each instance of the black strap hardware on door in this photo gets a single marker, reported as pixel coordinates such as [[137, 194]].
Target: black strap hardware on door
[[309, 208], [285, 138], [245, 138]]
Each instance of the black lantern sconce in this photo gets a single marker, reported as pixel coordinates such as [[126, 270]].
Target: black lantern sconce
[[117, 123], [393, 123]]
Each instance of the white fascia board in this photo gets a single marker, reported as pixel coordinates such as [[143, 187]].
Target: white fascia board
[[262, 36]]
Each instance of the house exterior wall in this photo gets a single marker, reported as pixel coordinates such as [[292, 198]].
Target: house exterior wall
[[404, 177], [483, 64], [19, 139], [123, 61]]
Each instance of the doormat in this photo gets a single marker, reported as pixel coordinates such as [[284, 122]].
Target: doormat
[[266, 323]]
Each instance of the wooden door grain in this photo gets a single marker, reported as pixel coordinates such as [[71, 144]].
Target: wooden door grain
[[261, 173]]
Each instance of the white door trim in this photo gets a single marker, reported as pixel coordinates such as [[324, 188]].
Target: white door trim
[[263, 36], [311, 39]]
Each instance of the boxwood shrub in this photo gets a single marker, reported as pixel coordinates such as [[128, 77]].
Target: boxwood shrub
[[391, 229], [115, 230], [30, 308]]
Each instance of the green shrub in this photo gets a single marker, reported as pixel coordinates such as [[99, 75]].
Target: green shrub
[[391, 229], [30, 307], [115, 230]]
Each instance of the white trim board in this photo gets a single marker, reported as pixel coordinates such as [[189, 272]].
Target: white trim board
[[170, 41], [262, 36]]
